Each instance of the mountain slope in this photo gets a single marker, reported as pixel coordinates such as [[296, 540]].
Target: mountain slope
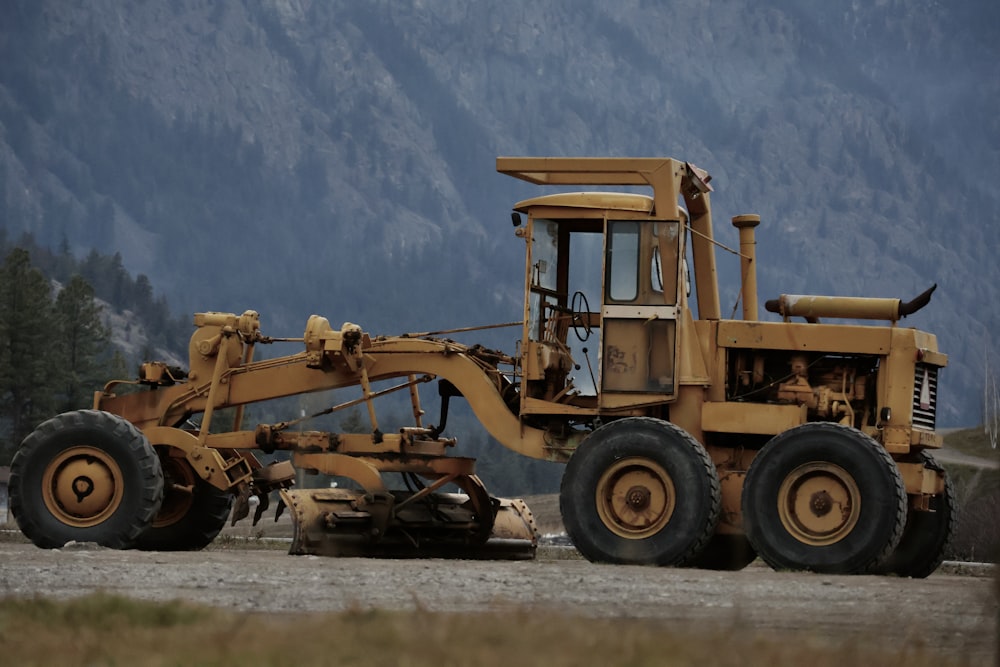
[[300, 156]]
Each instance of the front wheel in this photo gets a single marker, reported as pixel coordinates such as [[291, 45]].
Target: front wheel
[[85, 476], [824, 497], [640, 491], [193, 511]]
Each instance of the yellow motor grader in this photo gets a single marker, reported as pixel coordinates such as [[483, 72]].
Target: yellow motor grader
[[689, 439]]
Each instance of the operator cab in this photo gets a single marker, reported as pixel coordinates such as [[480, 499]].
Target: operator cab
[[602, 278]]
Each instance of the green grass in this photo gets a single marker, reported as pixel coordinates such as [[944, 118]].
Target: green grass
[[103, 629], [972, 441], [971, 482], [101, 612]]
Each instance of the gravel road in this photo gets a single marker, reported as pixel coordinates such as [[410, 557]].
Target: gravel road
[[952, 613]]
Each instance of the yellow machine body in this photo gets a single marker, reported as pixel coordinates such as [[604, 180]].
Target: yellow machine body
[[690, 439]]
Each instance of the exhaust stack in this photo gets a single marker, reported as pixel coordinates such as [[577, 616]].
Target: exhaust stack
[[748, 263]]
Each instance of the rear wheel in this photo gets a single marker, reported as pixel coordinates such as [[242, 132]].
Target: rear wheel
[[85, 476], [927, 534], [193, 511], [823, 497], [640, 491]]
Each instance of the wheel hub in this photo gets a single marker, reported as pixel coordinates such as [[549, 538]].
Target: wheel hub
[[635, 498], [819, 503], [82, 486], [178, 490], [638, 498]]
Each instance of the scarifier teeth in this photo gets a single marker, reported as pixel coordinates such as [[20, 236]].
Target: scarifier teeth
[[241, 506], [262, 503]]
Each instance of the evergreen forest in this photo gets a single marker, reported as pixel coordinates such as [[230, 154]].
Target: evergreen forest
[[56, 338]]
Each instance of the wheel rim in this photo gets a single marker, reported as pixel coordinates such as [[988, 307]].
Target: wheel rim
[[819, 503], [82, 486], [178, 491], [635, 498]]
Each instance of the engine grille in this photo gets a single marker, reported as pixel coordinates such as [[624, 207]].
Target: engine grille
[[925, 396]]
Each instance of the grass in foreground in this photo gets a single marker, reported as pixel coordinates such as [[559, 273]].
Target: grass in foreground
[[101, 629], [972, 441]]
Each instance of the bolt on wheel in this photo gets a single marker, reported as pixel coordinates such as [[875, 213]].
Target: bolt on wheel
[[85, 476], [640, 490], [823, 497], [178, 491], [635, 498], [928, 534], [819, 503], [82, 486], [193, 511]]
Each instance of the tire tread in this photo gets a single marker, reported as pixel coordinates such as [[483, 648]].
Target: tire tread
[[878, 454], [150, 478], [697, 453]]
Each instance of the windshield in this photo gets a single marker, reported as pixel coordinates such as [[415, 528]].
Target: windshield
[[544, 262]]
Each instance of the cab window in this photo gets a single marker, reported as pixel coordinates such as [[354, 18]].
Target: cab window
[[623, 260]]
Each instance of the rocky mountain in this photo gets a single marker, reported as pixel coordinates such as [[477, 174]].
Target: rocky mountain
[[334, 156]]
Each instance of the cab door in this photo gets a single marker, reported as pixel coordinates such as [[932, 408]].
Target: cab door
[[639, 309]]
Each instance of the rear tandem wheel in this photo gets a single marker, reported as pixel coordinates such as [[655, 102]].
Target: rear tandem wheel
[[85, 476], [824, 497], [640, 491], [927, 534]]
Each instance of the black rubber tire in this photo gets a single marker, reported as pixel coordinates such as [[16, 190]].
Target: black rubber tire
[[185, 523], [102, 460], [927, 535], [696, 497], [726, 552], [857, 546]]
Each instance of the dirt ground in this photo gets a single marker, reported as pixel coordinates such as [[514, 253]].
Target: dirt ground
[[953, 613]]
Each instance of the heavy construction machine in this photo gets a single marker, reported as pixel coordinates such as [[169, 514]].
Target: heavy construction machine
[[688, 439]]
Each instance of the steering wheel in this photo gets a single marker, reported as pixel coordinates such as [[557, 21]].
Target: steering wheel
[[580, 308]]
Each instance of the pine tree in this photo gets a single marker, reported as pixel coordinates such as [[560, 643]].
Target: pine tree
[[28, 371], [83, 344]]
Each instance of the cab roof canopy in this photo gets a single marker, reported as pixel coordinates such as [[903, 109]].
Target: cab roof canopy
[[668, 177], [619, 201]]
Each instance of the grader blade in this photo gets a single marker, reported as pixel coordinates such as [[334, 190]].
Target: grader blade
[[343, 522]]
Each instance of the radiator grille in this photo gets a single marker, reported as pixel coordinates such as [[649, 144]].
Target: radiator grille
[[925, 396]]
